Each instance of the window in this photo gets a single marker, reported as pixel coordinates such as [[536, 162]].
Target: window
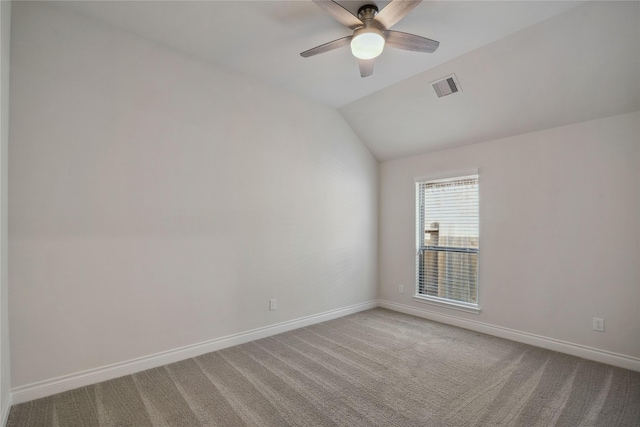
[[447, 241]]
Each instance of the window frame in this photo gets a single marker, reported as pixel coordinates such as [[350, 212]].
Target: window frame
[[434, 300]]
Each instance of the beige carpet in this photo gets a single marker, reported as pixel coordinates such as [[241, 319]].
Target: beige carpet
[[375, 368]]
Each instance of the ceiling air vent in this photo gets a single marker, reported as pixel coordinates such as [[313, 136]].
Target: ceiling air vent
[[446, 86]]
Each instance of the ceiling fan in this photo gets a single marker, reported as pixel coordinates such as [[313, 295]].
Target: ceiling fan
[[371, 32]]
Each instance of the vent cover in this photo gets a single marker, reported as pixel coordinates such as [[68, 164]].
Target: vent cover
[[446, 86]]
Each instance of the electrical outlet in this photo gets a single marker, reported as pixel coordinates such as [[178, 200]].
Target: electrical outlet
[[598, 324], [272, 304], [401, 289]]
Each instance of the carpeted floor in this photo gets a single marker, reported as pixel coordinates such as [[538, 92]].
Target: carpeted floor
[[374, 368]]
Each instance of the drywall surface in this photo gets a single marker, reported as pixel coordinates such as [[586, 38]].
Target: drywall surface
[[559, 231], [158, 201], [584, 62], [5, 365]]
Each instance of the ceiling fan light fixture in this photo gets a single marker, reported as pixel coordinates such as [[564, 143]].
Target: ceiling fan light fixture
[[367, 43], [371, 32]]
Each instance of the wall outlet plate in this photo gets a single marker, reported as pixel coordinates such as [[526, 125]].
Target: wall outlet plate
[[401, 289], [272, 304], [598, 324]]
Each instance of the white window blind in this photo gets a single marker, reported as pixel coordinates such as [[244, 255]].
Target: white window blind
[[447, 239]]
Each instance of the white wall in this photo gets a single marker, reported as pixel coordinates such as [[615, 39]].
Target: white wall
[[559, 231], [157, 201], [5, 365]]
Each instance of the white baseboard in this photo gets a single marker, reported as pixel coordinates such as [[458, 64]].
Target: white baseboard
[[40, 389], [80, 379], [4, 411], [603, 356]]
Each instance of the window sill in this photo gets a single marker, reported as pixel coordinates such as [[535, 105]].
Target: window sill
[[469, 308]]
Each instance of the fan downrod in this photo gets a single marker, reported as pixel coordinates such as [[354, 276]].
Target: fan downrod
[[367, 12]]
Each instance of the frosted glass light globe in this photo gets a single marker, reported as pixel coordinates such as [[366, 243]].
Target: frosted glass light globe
[[367, 43]]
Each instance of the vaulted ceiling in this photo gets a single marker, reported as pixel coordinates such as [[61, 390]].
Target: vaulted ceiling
[[522, 65]]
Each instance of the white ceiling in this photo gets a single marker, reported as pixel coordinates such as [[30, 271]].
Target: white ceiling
[[578, 66], [506, 54]]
